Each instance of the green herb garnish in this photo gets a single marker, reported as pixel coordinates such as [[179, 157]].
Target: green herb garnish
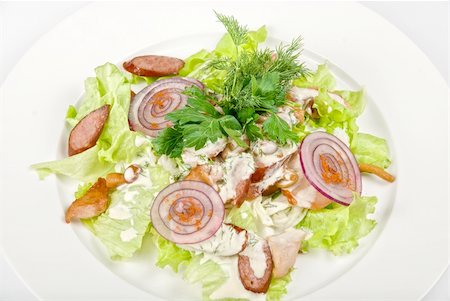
[[255, 85]]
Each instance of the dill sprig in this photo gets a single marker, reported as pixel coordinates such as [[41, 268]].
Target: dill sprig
[[238, 33]]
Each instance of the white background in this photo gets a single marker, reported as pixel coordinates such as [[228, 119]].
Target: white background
[[21, 24]]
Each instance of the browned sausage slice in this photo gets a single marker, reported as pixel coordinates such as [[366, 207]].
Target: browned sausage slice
[[251, 253], [93, 203], [153, 65], [85, 134]]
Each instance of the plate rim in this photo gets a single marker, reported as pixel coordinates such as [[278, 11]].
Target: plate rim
[[92, 6]]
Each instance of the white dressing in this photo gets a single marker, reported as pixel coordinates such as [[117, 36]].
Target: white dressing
[[235, 169], [287, 114], [342, 135], [128, 235], [233, 287], [201, 156], [130, 195], [169, 164], [226, 242], [263, 159], [119, 212], [255, 253]]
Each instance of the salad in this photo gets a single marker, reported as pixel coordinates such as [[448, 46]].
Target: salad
[[234, 162]]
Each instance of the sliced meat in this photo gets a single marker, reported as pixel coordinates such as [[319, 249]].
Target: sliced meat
[[114, 179], [153, 65], [200, 173], [233, 148], [237, 171], [284, 248], [258, 175], [241, 192], [264, 179], [229, 240], [302, 193], [86, 133], [255, 266], [93, 203]]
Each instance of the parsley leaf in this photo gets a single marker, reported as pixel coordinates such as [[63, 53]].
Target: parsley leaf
[[186, 115], [196, 135], [278, 130], [253, 131], [199, 101], [233, 128], [169, 142]]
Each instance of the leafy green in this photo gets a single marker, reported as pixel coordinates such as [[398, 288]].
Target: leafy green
[[110, 230], [82, 189], [209, 274], [278, 288], [168, 252], [259, 79], [370, 149], [169, 142], [196, 124], [196, 135], [322, 78], [332, 114], [243, 217], [237, 32], [339, 229], [115, 144], [278, 130], [84, 166]]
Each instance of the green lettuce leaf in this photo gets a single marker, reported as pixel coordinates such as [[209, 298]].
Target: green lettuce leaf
[[84, 166], [168, 252], [209, 274], [278, 288], [243, 217], [370, 149], [322, 78], [339, 229], [226, 47], [332, 114], [115, 144], [195, 62], [82, 189], [113, 232]]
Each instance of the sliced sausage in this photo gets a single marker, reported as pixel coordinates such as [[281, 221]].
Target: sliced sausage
[[153, 65], [114, 179], [85, 134], [93, 203], [248, 278]]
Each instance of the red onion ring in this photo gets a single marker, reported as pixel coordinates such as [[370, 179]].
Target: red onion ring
[[151, 104], [330, 167], [187, 212]]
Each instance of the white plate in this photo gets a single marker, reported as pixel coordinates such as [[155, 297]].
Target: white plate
[[404, 87]]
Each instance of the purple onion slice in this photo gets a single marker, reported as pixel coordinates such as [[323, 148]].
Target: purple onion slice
[[151, 104], [330, 167], [187, 212]]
